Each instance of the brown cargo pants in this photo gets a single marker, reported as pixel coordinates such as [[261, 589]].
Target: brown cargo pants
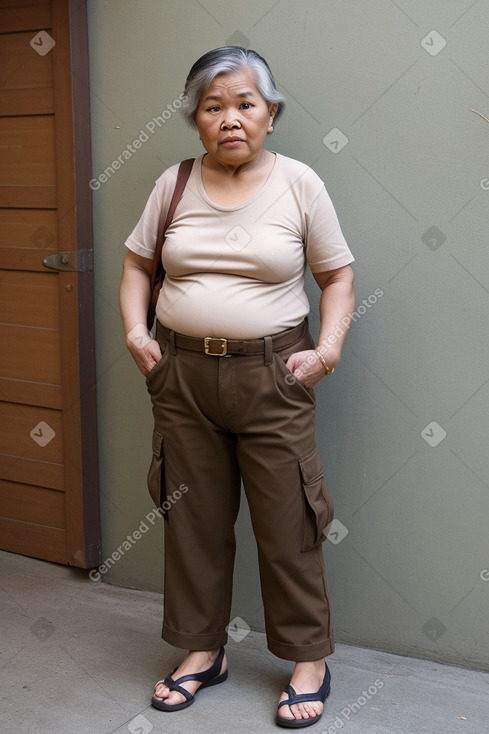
[[220, 419]]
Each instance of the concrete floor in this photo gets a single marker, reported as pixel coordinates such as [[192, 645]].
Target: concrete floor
[[80, 657]]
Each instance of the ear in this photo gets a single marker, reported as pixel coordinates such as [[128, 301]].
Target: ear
[[273, 110]]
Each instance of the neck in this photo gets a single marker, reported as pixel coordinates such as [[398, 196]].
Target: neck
[[235, 170]]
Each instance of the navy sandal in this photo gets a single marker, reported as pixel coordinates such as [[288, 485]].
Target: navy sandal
[[321, 695], [209, 677]]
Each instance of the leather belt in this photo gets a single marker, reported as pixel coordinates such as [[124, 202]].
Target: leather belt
[[219, 346]]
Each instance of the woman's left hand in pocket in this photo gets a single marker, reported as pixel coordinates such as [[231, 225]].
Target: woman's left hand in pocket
[[306, 367]]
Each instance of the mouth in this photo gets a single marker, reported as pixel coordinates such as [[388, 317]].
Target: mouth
[[231, 141]]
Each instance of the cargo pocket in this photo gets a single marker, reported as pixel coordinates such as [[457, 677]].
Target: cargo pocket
[[156, 474], [317, 503]]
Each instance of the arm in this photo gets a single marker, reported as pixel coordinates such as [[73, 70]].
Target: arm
[[134, 296], [335, 308]]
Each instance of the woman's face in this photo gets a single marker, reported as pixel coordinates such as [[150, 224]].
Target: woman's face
[[233, 118]]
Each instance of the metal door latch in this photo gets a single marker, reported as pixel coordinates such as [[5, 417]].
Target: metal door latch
[[64, 261]]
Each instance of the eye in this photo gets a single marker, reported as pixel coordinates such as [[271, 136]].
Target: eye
[[247, 105], [214, 108]]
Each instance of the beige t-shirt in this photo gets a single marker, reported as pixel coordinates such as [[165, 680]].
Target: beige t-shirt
[[238, 272]]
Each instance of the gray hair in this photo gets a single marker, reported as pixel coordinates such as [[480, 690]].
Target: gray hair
[[229, 60]]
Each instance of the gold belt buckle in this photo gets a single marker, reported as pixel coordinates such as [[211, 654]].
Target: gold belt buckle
[[223, 346]]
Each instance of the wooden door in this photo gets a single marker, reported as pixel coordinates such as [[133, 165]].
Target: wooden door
[[48, 447]]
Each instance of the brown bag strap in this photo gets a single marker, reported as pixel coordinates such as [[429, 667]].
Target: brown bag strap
[[184, 171], [158, 272]]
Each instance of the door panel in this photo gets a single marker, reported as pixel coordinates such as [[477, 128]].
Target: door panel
[[39, 507], [28, 151], [17, 309], [48, 451], [31, 432], [32, 355], [27, 237]]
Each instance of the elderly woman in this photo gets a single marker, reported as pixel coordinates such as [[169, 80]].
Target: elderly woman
[[230, 371]]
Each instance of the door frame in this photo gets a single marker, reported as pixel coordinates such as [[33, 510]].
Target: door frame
[[80, 423]]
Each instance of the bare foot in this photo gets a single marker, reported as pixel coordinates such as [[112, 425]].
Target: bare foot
[[195, 662], [307, 678]]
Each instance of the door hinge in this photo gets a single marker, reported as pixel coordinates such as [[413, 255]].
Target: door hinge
[[79, 262]]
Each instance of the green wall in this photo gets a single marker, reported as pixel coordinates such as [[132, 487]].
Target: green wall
[[402, 424]]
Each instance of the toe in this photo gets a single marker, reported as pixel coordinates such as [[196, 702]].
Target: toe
[[284, 711], [175, 698], [300, 711], [296, 711], [161, 691], [309, 710]]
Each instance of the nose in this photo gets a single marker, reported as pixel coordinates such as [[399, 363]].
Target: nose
[[230, 125]]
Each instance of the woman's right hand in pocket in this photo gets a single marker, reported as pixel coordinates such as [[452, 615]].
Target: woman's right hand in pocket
[[144, 349]]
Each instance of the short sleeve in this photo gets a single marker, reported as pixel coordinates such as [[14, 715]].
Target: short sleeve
[[142, 240], [326, 247]]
